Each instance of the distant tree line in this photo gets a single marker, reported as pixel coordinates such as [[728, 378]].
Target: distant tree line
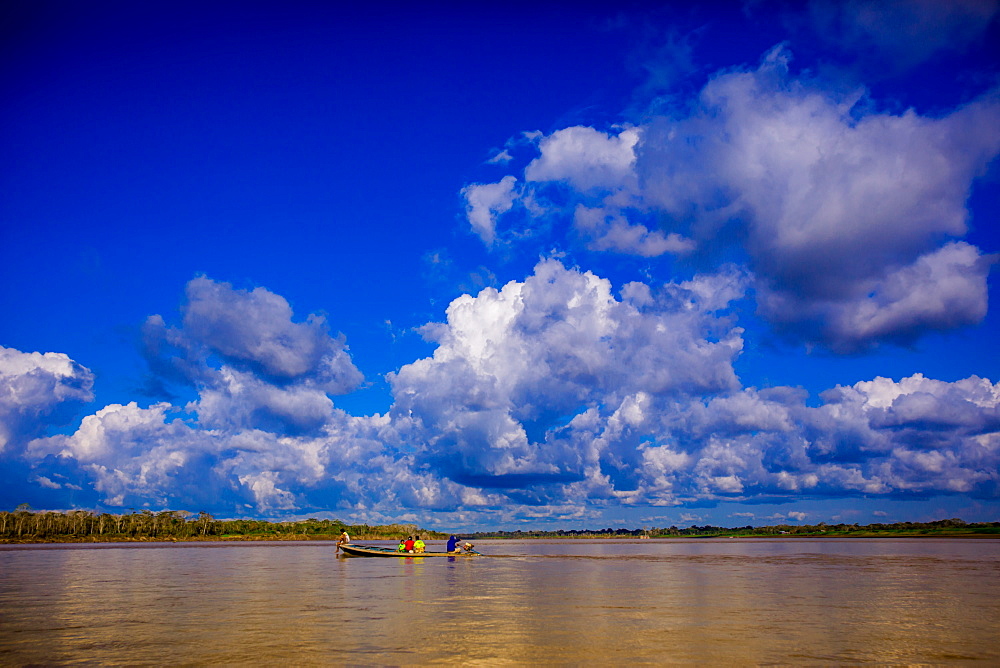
[[953, 526], [25, 525], [82, 525]]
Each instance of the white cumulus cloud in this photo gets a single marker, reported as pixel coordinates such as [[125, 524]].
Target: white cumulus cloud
[[35, 389], [255, 329], [254, 366], [512, 365], [551, 396], [586, 159], [849, 218]]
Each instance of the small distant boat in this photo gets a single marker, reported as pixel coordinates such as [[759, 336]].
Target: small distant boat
[[374, 551]]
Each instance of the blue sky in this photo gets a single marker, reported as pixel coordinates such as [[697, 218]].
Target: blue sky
[[547, 266]]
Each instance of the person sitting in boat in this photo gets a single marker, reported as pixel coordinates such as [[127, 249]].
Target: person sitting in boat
[[468, 547], [419, 546], [452, 544], [343, 540], [402, 545], [408, 544]]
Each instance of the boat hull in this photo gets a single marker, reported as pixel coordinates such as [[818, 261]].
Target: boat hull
[[370, 551]]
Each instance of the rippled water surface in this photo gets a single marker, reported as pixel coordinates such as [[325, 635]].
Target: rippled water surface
[[724, 601]]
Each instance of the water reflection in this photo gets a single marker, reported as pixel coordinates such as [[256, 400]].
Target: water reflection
[[707, 601]]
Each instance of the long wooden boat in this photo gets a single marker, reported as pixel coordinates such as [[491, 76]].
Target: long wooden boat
[[374, 551]]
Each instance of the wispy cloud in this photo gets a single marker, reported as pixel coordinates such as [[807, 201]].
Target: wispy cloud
[[898, 34]]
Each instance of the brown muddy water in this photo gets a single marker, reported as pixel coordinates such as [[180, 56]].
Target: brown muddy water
[[706, 602]]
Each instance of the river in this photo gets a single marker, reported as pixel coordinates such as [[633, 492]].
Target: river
[[718, 602]]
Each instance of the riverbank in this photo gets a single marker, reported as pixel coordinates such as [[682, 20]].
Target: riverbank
[[169, 539], [332, 538], [951, 528], [81, 526]]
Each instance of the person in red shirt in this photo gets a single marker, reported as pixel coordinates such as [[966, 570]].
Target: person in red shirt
[[408, 545]]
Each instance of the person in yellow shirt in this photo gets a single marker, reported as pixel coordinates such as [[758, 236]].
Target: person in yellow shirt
[[418, 545]]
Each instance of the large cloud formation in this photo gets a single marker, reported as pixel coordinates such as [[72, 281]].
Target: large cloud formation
[[558, 393], [513, 365], [844, 213], [263, 430], [254, 366], [553, 396], [36, 390], [562, 394]]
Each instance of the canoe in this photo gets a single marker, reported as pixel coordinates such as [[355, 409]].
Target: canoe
[[373, 551]]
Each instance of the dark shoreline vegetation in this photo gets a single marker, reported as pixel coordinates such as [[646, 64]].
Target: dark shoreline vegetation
[[81, 526], [951, 528]]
